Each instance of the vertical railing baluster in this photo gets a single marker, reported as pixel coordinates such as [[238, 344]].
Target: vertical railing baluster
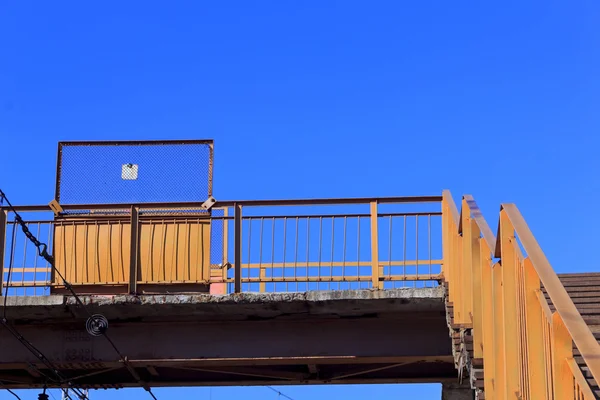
[[238, 248], [296, 255], [249, 242], [562, 351], [510, 307], [320, 252], [24, 261], [3, 224], [263, 275], [429, 242], [260, 257], [307, 250], [416, 250], [404, 255], [344, 255], [47, 268], [375, 281], [535, 322], [487, 314], [358, 252], [225, 240], [332, 251], [133, 250], [390, 253], [498, 311], [284, 253]]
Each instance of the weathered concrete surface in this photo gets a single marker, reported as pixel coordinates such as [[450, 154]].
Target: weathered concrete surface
[[244, 306], [354, 336], [453, 391]]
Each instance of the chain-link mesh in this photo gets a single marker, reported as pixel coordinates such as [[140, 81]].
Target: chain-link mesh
[[134, 172]]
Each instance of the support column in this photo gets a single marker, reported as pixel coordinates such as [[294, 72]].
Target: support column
[[455, 391]]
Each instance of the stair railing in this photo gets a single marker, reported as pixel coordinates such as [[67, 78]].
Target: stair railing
[[496, 290]]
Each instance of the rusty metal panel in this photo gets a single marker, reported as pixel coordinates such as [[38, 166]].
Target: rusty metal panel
[[92, 252], [98, 252], [174, 251]]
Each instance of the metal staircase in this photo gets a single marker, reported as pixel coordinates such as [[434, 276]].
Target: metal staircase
[[519, 330]]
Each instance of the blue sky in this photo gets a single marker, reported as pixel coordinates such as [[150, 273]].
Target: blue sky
[[323, 99]]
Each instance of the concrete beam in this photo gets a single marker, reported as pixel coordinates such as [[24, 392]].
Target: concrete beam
[[243, 306], [355, 336], [454, 391], [400, 336]]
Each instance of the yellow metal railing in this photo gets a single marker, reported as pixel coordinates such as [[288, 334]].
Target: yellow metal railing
[[527, 350], [239, 246]]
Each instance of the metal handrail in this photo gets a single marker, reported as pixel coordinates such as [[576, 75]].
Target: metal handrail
[[578, 329], [474, 289], [245, 203], [337, 221]]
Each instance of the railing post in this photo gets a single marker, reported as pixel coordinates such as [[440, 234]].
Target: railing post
[[3, 220], [237, 233], [487, 318], [472, 259], [534, 333], [470, 252], [562, 351], [446, 247], [377, 284], [133, 250], [510, 308], [225, 238], [499, 353], [458, 272]]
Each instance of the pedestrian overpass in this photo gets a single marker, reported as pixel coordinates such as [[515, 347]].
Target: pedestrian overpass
[[270, 292]]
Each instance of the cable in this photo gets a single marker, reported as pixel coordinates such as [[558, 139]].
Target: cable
[[279, 393], [10, 263], [96, 324], [9, 391]]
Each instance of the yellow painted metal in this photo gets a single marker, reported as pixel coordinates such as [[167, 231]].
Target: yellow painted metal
[[175, 251], [527, 350], [562, 352], [583, 388], [487, 317], [534, 329], [377, 284], [499, 388], [510, 309], [225, 242], [476, 298], [291, 264], [90, 253], [574, 322], [134, 249], [3, 220], [466, 266], [262, 276], [451, 220], [168, 250]]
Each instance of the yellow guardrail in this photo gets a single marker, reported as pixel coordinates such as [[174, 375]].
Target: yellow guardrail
[[527, 350], [239, 246]]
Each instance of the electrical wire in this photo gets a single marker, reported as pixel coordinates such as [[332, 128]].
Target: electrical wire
[[35, 351], [16, 396], [96, 324], [10, 263], [279, 393]]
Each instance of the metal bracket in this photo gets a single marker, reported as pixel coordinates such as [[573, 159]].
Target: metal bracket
[[209, 203], [55, 207]]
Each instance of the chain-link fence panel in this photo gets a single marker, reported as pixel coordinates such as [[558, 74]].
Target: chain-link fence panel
[[134, 172]]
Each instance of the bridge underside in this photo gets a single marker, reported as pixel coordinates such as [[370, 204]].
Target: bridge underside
[[358, 336]]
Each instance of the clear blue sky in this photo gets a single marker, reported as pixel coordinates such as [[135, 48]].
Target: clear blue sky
[[323, 99]]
